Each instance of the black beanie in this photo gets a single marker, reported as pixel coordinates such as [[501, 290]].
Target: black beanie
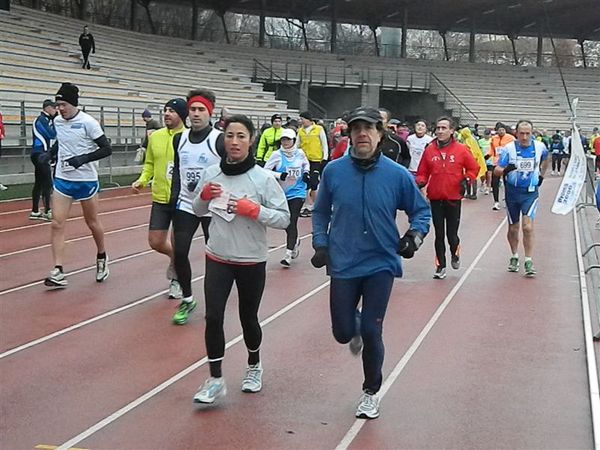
[[306, 115], [68, 93], [180, 106]]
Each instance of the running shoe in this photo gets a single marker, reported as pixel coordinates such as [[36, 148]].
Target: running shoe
[[553, 173], [356, 343], [486, 191], [513, 264], [306, 213], [455, 262], [102, 269], [56, 279], [296, 250], [36, 216], [253, 380], [175, 290], [368, 406], [440, 273], [183, 311], [211, 390], [286, 261], [47, 215], [529, 269], [496, 206]]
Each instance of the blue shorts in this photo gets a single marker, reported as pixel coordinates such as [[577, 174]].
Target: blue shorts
[[77, 190], [521, 202]]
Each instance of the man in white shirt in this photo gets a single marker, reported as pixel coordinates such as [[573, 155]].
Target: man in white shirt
[[416, 145], [81, 142]]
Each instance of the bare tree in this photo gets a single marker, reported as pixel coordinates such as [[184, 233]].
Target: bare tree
[[146, 5]]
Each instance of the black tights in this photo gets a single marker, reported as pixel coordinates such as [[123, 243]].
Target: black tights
[[295, 205], [42, 185], [446, 219], [250, 282], [184, 227], [496, 187]]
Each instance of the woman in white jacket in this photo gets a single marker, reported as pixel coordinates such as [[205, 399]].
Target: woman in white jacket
[[244, 200]]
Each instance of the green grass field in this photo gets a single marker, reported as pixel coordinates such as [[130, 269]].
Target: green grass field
[[24, 190]]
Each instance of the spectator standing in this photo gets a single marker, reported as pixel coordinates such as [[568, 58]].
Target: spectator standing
[[44, 136], [87, 44]]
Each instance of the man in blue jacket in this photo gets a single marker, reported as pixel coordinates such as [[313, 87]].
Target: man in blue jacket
[[44, 136], [356, 237]]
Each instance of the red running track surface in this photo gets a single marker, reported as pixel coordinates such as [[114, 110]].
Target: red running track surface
[[501, 366]]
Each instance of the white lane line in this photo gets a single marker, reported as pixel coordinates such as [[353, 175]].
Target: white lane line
[[106, 213], [359, 423], [108, 313], [175, 378], [594, 388], [16, 211], [39, 247]]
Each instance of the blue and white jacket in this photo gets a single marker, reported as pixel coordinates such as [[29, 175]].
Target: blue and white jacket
[[44, 133]]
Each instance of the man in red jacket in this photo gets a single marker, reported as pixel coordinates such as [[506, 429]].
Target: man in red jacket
[[446, 168]]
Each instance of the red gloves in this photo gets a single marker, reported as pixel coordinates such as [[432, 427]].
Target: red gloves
[[248, 208], [210, 191]]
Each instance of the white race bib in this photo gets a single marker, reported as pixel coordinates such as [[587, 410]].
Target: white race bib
[[294, 172], [218, 206], [192, 174], [170, 166], [525, 164]]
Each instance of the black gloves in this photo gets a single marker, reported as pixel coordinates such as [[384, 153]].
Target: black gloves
[[77, 161], [486, 157], [283, 176], [509, 168], [410, 243], [306, 177], [192, 185], [464, 184], [540, 180], [320, 258]]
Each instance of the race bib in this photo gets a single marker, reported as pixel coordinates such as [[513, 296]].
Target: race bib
[[218, 206], [192, 174], [525, 164], [170, 166], [294, 172], [65, 166]]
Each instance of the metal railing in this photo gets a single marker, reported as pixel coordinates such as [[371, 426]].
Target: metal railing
[[449, 99]]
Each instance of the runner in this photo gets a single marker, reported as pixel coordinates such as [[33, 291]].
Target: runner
[[44, 136], [269, 140], [356, 236], [244, 200], [466, 137], [292, 167], [81, 141], [196, 149], [416, 145], [499, 140], [446, 168], [158, 168], [522, 164], [313, 142]]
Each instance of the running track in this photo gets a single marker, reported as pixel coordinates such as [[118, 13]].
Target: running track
[[483, 359]]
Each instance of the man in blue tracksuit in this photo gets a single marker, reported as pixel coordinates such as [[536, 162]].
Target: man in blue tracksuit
[[355, 235], [43, 136]]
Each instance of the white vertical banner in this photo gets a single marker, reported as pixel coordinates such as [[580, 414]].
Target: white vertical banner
[[574, 177]]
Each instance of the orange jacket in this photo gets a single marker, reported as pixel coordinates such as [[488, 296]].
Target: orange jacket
[[498, 142]]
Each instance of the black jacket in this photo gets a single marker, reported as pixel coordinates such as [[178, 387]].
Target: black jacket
[[395, 148], [86, 42]]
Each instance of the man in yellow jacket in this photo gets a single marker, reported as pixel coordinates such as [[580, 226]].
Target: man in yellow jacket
[[158, 167], [313, 142], [269, 140]]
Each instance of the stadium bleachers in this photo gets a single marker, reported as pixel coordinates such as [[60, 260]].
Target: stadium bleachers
[[133, 71]]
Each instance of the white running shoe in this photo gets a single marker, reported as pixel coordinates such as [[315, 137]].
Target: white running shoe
[[440, 273], [368, 406], [253, 380], [56, 279], [296, 250], [102, 269], [36, 216], [211, 390], [496, 206], [175, 290], [287, 260]]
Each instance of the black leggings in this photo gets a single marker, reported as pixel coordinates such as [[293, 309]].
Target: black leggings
[[295, 205], [250, 282], [86, 58], [184, 227], [496, 187], [42, 185], [556, 161], [446, 219]]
